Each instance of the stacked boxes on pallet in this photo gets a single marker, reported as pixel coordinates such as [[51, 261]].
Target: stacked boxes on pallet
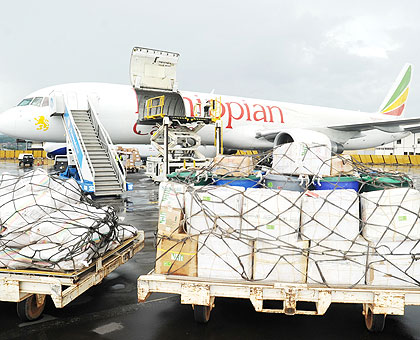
[[320, 237], [176, 251], [391, 224]]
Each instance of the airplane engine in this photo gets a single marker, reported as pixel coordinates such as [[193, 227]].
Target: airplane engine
[[309, 137]]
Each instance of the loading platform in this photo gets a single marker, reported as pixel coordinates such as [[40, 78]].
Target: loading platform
[[153, 77]]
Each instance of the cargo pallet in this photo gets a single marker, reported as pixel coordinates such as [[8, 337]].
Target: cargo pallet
[[200, 293], [29, 288]]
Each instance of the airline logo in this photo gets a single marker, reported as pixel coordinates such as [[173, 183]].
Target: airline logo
[[396, 103], [42, 123], [238, 109]]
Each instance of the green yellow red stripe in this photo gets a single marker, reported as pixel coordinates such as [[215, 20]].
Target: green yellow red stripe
[[396, 103]]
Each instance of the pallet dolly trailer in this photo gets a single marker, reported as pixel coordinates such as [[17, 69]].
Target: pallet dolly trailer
[[29, 288], [201, 293]]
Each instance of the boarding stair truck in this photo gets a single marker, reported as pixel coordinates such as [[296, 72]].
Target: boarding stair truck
[[92, 159], [153, 76]]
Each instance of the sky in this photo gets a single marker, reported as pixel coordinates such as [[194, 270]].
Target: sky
[[342, 54]]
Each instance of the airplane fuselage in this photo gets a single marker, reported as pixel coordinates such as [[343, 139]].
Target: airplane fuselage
[[243, 118]]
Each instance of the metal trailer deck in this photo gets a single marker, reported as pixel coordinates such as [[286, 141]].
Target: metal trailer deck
[[200, 293], [29, 288]]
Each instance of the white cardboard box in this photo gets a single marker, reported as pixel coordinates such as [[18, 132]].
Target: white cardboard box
[[172, 194], [391, 214], [204, 224], [214, 201], [330, 214], [339, 262], [271, 214], [275, 261], [394, 264], [224, 258], [300, 158]]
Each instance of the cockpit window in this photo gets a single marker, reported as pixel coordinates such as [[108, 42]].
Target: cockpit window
[[25, 102], [37, 101], [45, 102]]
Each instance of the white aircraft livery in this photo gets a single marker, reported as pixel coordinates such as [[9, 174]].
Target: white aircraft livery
[[247, 123]]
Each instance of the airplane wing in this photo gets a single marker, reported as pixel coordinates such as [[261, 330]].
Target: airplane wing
[[395, 125], [391, 126]]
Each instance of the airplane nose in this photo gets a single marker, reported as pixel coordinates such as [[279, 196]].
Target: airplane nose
[[8, 123]]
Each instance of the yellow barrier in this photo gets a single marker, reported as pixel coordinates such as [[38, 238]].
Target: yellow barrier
[[18, 152], [390, 159], [10, 154], [415, 159], [377, 159], [366, 158], [355, 158], [37, 153], [2, 154], [403, 159]]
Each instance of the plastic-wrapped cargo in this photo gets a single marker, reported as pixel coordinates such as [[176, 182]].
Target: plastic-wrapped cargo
[[280, 262], [338, 262], [394, 264], [224, 257], [271, 214], [330, 214], [48, 224], [298, 158], [391, 215]]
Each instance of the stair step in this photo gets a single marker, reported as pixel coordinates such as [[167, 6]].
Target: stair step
[[106, 178], [98, 159], [104, 173], [101, 165], [107, 187], [108, 193], [113, 184]]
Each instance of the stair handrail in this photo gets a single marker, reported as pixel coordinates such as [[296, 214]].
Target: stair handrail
[[84, 149], [103, 135]]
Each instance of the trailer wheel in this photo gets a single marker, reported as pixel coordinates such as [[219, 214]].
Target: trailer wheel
[[374, 322], [31, 308], [201, 313]]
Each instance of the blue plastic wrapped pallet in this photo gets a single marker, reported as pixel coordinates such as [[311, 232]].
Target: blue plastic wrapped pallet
[[251, 181], [342, 182]]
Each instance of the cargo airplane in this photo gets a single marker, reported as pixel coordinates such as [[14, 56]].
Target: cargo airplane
[[247, 123]]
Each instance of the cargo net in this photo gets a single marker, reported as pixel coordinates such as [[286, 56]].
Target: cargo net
[[294, 215], [46, 223]]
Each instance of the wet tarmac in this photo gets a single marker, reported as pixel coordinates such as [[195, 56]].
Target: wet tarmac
[[110, 310]]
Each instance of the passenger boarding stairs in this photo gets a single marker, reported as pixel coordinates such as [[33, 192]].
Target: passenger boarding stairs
[[89, 147], [105, 179]]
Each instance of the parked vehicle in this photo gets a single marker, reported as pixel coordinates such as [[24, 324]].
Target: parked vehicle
[[26, 159]]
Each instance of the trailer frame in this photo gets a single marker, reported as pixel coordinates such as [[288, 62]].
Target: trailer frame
[[22, 286], [200, 293]]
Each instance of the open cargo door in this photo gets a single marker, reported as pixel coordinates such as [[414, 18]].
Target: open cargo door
[[153, 69]]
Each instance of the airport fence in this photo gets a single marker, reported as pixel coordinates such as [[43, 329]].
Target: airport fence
[[14, 154]]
